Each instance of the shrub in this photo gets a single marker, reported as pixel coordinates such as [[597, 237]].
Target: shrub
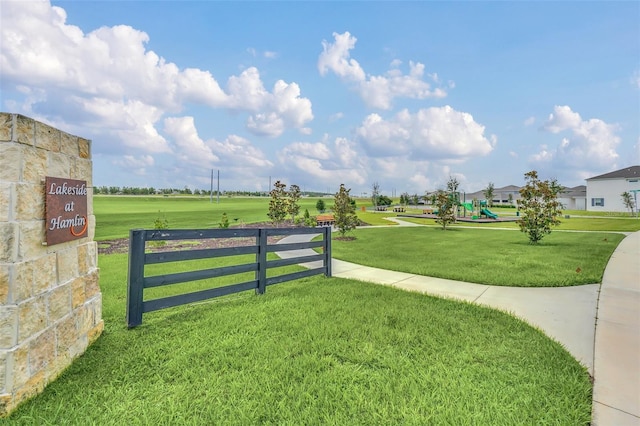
[[160, 223], [224, 222]]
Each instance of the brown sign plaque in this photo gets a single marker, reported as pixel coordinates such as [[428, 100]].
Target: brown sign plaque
[[65, 210]]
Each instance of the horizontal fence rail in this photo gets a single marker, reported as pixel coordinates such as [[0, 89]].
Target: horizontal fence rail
[[139, 257]]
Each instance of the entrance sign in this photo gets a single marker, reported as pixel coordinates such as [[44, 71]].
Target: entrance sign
[[65, 210]]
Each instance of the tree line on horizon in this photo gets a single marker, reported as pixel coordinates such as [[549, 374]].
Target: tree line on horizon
[[132, 190]]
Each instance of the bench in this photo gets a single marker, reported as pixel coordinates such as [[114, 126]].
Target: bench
[[381, 208], [427, 211], [325, 220], [398, 209]]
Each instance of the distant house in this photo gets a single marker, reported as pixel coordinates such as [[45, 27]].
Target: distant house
[[574, 198], [507, 195], [604, 191]]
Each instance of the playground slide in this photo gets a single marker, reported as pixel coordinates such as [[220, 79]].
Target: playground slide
[[468, 206], [488, 213]]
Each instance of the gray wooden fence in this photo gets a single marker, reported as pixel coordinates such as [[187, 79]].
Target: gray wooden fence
[[139, 257]]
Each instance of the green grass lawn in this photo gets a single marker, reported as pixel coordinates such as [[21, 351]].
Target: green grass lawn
[[314, 351], [326, 350], [483, 256], [573, 223], [116, 215]]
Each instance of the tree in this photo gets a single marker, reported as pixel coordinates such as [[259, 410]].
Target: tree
[[320, 206], [294, 195], [383, 200], [488, 194], [344, 211], [278, 203], [446, 211], [447, 203], [375, 193], [452, 187], [539, 206], [628, 201]]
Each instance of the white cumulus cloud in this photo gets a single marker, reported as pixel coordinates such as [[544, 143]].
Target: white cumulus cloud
[[92, 78], [586, 148], [435, 133], [238, 154], [135, 165], [325, 163], [235, 154], [274, 111], [335, 57], [377, 91], [190, 148]]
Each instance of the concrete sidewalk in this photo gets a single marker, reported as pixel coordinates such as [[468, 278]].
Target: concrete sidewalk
[[616, 390], [566, 314]]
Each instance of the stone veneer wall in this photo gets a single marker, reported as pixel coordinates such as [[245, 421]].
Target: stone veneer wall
[[50, 300]]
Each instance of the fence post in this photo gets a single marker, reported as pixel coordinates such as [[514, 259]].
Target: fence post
[[135, 279], [261, 273], [327, 250]]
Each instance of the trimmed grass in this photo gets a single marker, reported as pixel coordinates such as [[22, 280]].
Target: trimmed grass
[[483, 256], [376, 219], [316, 351], [116, 215], [600, 224], [604, 224]]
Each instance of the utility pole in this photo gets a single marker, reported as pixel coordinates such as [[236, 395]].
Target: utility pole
[[218, 190]]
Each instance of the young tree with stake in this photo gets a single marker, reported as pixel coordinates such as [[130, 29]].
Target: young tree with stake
[[344, 211], [539, 206]]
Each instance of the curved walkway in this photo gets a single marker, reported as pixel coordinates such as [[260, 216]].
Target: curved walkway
[[609, 347], [616, 390]]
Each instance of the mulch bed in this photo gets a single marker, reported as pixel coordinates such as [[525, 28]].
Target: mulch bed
[[121, 245]]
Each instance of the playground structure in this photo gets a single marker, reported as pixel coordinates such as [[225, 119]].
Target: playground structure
[[467, 211], [477, 208]]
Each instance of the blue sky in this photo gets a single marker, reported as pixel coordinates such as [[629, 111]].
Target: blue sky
[[317, 94]]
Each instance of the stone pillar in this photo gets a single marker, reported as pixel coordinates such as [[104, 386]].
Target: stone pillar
[[50, 300]]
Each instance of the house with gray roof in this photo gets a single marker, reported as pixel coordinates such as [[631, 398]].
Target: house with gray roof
[[506, 195], [573, 198], [604, 192]]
